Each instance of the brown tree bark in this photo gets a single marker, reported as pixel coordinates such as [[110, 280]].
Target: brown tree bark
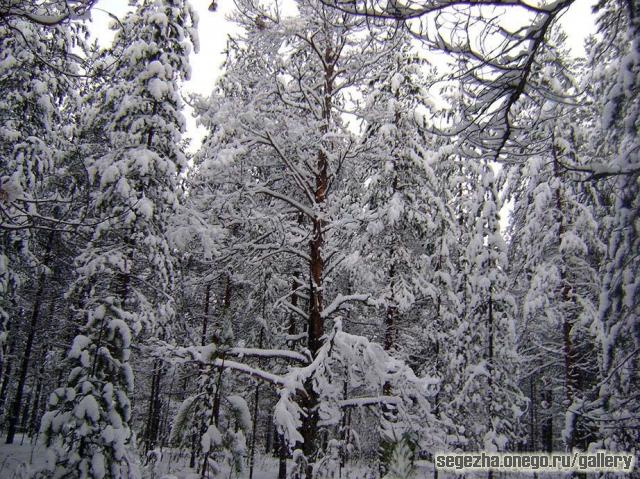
[[315, 326]]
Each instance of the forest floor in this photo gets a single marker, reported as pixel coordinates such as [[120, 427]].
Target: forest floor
[[17, 459]]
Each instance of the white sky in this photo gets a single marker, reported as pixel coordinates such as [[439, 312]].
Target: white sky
[[578, 22], [213, 29]]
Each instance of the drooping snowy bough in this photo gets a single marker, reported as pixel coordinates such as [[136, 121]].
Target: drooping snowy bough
[[348, 371]]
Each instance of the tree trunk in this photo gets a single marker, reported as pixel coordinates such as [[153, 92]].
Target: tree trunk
[[153, 410], [26, 357], [25, 413], [194, 448], [388, 411], [124, 279], [532, 416], [254, 427], [226, 304], [217, 395], [269, 447], [344, 429], [490, 321], [315, 331], [291, 329], [35, 410], [315, 327], [205, 314], [570, 370], [282, 454], [7, 376], [256, 400], [547, 426]]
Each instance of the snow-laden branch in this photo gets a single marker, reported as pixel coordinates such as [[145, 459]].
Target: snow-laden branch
[[369, 401], [294, 309], [249, 370], [269, 353], [205, 355], [39, 15], [599, 171], [293, 169], [348, 360], [296, 337], [275, 249], [395, 10], [41, 19], [296, 204], [340, 300]]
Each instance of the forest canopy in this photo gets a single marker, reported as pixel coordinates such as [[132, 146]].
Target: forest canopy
[[412, 227]]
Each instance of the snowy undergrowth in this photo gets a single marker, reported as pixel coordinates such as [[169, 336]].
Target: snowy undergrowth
[[18, 460]]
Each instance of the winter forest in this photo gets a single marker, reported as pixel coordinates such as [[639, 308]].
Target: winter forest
[[413, 227]]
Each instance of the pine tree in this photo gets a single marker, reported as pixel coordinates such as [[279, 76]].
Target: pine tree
[[41, 184], [279, 144], [554, 254], [401, 463], [123, 276], [403, 254], [613, 79], [487, 336], [555, 250]]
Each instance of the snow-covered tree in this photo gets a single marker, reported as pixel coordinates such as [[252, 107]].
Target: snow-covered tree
[[555, 250], [279, 143], [403, 252], [489, 394], [400, 194], [124, 273], [218, 423], [613, 79], [554, 255], [42, 184]]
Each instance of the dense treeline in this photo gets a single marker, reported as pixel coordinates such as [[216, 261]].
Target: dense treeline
[[331, 278]]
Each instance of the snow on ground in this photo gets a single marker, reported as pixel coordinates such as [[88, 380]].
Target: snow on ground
[[15, 460]]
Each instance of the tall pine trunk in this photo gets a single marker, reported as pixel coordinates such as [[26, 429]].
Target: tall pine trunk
[[570, 372], [315, 327], [26, 357], [256, 400], [8, 366]]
